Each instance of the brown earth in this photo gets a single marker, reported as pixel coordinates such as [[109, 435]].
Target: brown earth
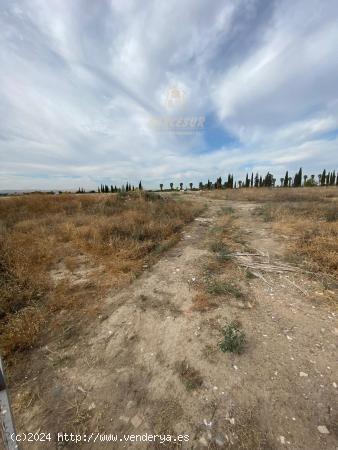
[[124, 374]]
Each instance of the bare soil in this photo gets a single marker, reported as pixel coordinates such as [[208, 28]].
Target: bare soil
[[124, 374]]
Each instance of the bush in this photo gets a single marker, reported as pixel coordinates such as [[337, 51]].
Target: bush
[[234, 338], [216, 287]]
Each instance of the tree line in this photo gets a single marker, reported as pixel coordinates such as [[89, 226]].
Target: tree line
[[326, 178]]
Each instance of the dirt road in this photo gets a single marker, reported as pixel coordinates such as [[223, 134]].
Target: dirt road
[[122, 376]]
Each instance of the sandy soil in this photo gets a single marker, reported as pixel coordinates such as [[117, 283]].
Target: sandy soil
[[121, 376]]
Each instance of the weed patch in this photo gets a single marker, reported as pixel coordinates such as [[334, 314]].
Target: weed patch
[[190, 377], [234, 339], [216, 287]]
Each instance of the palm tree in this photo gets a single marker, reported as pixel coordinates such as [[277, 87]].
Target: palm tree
[[190, 184], [171, 186], [290, 180], [282, 181], [181, 186], [305, 178]]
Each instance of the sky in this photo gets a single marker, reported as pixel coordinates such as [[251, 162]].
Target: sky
[[110, 91]]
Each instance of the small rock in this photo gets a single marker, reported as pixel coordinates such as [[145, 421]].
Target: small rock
[[91, 406], [281, 439], [334, 385], [288, 338], [207, 424], [232, 421], [136, 421], [124, 419], [322, 429], [202, 440], [303, 374]]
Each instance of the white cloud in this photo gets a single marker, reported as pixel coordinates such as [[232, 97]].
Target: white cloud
[[80, 81]]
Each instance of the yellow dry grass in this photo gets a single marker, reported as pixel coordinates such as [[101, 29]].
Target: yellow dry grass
[[276, 194], [307, 217], [311, 229], [61, 253]]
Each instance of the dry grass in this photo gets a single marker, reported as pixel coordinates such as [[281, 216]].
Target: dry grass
[[221, 280], [202, 302], [60, 253], [311, 228], [275, 194], [307, 217], [189, 376]]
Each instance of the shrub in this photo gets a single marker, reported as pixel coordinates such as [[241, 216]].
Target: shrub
[[220, 287], [234, 338]]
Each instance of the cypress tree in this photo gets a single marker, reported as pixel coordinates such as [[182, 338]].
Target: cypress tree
[[286, 179], [333, 178], [252, 179], [140, 186], [323, 178]]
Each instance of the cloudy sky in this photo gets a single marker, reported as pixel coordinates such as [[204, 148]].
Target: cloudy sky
[[117, 90]]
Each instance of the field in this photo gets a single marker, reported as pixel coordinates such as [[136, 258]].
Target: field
[[211, 314], [64, 253]]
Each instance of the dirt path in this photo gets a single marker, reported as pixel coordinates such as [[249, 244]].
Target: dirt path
[[121, 377]]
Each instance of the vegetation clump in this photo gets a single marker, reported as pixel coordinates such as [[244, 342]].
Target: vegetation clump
[[63, 252], [234, 339], [190, 377]]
